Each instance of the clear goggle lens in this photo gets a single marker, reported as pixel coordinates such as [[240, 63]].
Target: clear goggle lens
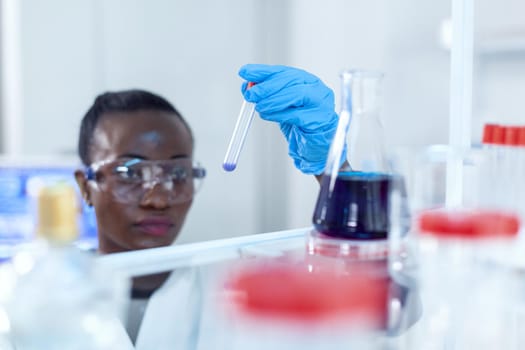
[[128, 181]]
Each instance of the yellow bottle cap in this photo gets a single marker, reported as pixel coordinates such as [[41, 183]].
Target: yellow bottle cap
[[57, 212]]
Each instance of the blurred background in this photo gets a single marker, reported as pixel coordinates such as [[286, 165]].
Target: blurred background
[[57, 55]]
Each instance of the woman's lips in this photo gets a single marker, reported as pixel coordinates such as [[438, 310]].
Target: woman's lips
[[155, 226]]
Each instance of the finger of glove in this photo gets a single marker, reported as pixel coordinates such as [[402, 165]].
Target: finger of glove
[[260, 72], [309, 95], [275, 83], [309, 121], [299, 110]]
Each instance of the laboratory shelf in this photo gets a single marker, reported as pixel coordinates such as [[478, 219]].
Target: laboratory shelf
[[199, 273]]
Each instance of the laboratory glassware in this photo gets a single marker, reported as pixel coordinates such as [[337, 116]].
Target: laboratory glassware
[[244, 120], [353, 199], [402, 304]]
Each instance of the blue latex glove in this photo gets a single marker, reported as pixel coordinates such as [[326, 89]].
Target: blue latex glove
[[302, 105]]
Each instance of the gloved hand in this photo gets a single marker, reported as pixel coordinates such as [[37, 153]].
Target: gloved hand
[[302, 105]]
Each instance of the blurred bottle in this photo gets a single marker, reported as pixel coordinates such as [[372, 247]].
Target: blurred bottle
[[56, 298], [285, 305], [458, 254], [505, 149], [353, 199], [470, 300]]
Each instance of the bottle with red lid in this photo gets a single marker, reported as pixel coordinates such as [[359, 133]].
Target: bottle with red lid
[[463, 286], [505, 149], [456, 253], [285, 305]]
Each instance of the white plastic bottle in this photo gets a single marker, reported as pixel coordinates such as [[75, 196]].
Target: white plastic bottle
[[58, 300]]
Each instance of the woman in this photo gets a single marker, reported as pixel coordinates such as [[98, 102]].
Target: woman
[[130, 141], [137, 151]]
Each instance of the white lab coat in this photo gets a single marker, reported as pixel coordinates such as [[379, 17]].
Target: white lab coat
[[171, 317], [121, 341], [182, 314]]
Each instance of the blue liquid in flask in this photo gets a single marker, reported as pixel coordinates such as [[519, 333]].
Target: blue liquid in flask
[[356, 208]]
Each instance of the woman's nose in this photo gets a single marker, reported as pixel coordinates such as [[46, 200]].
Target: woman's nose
[[157, 197]]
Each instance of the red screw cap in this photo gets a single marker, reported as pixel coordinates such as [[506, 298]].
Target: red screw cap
[[289, 291], [468, 224]]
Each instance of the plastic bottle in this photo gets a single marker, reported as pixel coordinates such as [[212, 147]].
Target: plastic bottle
[[285, 305], [469, 299], [504, 149], [56, 298]]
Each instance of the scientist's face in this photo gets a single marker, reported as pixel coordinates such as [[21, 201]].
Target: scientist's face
[[138, 207]]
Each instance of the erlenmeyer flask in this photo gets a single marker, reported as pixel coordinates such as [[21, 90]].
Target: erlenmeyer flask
[[353, 199]]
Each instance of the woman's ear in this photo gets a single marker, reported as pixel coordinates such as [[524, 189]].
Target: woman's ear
[[82, 183]]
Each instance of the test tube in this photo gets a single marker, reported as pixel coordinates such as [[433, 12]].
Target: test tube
[[239, 134]]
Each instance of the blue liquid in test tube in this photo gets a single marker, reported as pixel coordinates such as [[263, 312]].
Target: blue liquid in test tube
[[239, 134]]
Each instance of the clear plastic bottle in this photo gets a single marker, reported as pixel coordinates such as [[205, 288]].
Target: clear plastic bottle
[[286, 305], [353, 199], [503, 146], [469, 299], [57, 298]]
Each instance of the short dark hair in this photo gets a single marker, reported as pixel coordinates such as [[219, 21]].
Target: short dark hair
[[119, 101]]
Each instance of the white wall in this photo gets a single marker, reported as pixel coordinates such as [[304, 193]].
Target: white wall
[[190, 51]]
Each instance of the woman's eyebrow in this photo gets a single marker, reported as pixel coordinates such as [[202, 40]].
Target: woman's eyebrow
[[132, 155], [141, 156], [180, 156]]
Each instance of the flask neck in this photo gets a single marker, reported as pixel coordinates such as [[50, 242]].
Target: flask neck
[[361, 99], [361, 92]]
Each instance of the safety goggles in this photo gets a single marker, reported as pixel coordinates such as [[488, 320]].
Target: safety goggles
[[129, 180]]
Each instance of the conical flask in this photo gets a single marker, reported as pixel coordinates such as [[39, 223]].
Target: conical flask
[[353, 199]]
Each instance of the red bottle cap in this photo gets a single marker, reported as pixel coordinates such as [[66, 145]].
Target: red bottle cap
[[510, 135], [292, 292], [497, 135], [488, 133], [250, 84], [469, 224], [521, 136]]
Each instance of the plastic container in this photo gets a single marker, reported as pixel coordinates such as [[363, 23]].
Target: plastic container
[[470, 300], [53, 295], [285, 305]]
